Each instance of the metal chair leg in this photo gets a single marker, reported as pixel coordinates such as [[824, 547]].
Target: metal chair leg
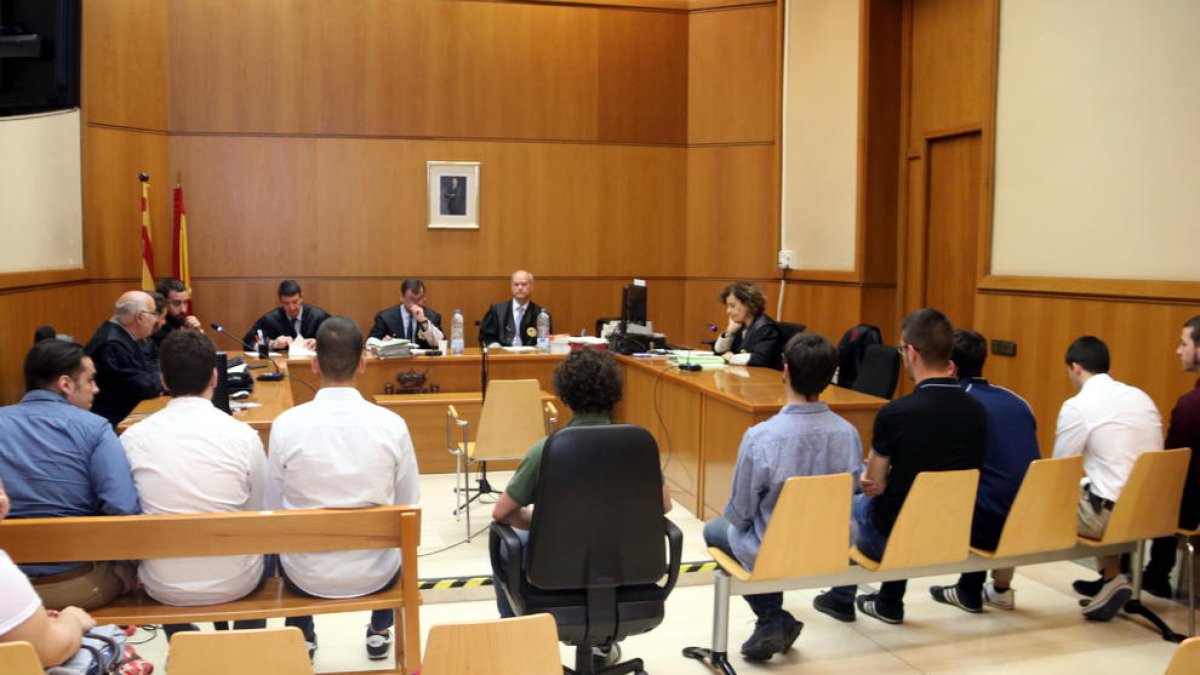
[[1191, 584]]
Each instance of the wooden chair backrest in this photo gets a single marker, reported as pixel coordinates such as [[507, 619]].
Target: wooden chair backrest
[[526, 645], [1149, 502], [32, 540], [266, 651], [1042, 517], [511, 420], [1186, 660], [809, 529], [934, 525], [19, 658]]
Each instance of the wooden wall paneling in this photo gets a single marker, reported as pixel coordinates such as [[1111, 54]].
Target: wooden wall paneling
[[879, 141], [952, 51], [879, 308], [329, 207], [1141, 337], [953, 225], [125, 63], [642, 83], [732, 211], [113, 158], [733, 86]]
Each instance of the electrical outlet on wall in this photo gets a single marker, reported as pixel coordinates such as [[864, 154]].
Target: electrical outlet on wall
[[787, 260]]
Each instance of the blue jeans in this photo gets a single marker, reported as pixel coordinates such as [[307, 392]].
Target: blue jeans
[[872, 543], [381, 619], [764, 605], [502, 604]]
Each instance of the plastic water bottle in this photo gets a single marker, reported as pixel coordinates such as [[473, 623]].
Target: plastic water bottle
[[456, 333], [543, 332]]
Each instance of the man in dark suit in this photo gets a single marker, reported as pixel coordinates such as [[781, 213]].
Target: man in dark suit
[[123, 374], [513, 322], [410, 319], [290, 320]]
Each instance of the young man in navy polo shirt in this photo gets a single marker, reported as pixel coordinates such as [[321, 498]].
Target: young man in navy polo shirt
[[938, 427], [1011, 446]]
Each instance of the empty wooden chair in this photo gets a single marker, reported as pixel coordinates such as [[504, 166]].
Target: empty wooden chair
[[19, 658], [525, 644], [934, 525], [512, 419], [1042, 517], [268, 651], [1186, 660]]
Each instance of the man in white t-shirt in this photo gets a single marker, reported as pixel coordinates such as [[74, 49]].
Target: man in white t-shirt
[[340, 451], [1110, 423], [191, 457]]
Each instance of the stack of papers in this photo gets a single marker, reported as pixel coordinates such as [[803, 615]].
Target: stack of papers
[[396, 348]]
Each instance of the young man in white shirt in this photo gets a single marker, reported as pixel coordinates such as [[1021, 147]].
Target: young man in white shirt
[[340, 451], [1109, 423], [190, 457]]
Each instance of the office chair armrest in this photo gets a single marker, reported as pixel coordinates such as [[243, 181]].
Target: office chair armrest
[[502, 535], [675, 539]]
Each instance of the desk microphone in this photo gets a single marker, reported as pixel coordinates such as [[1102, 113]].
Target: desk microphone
[[483, 363], [265, 377]]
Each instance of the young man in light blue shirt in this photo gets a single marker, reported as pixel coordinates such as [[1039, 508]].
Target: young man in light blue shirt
[[805, 438]]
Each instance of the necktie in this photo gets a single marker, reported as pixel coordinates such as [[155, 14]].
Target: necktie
[[296, 326], [412, 328], [518, 312]]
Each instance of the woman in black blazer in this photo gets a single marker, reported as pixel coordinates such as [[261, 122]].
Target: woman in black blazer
[[752, 338]]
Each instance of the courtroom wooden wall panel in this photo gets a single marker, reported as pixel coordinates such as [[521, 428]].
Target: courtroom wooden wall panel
[[428, 68], [827, 309], [953, 225], [953, 44], [113, 158], [274, 207], [124, 61], [732, 211], [1141, 336], [879, 143], [733, 84]]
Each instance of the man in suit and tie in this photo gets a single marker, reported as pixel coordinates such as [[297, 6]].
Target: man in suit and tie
[[410, 319], [290, 320], [513, 322]]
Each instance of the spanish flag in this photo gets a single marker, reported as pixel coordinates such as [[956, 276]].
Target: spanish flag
[[147, 245], [179, 252]]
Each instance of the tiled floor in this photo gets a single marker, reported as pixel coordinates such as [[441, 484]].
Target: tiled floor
[[1046, 634]]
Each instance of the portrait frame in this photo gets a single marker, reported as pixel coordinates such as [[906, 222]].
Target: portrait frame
[[452, 191]]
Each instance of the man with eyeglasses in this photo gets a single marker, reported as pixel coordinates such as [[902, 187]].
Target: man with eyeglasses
[[124, 376]]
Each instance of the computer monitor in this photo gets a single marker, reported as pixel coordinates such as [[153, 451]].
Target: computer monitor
[[220, 397], [633, 305]]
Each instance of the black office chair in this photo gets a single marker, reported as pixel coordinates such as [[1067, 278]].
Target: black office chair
[[596, 547], [787, 329], [879, 371]]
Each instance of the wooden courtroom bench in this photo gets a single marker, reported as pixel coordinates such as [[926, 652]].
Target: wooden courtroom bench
[[805, 542], [97, 538]]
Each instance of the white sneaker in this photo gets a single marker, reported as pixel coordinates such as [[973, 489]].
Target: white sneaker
[[997, 598]]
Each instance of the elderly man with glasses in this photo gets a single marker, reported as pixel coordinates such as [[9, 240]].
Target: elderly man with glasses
[[123, 374]]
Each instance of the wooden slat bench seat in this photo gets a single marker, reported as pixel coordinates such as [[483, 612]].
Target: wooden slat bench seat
[[47, 540]]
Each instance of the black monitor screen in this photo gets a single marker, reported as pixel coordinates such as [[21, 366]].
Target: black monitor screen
[[633, 305], [220, 397]]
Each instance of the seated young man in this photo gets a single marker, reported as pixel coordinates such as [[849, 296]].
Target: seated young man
[[191, 457], [805, 438], [938, 427], [339, 451], [589, 383]]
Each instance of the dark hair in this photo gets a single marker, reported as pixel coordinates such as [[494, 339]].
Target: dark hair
[[1194, 324], [44, 333], [588, 380], [811, 361], [931, 334], [412, 285], [1090, 353], [339, 348], [169, 286], [160, 301], [49, 360], [288, 288], [970, 353], [186, 359], [748, 294]]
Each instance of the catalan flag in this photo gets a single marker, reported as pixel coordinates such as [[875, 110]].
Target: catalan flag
[[179, 252], [147, 245]]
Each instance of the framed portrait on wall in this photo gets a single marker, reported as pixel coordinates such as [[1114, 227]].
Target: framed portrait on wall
[[453, 193]]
